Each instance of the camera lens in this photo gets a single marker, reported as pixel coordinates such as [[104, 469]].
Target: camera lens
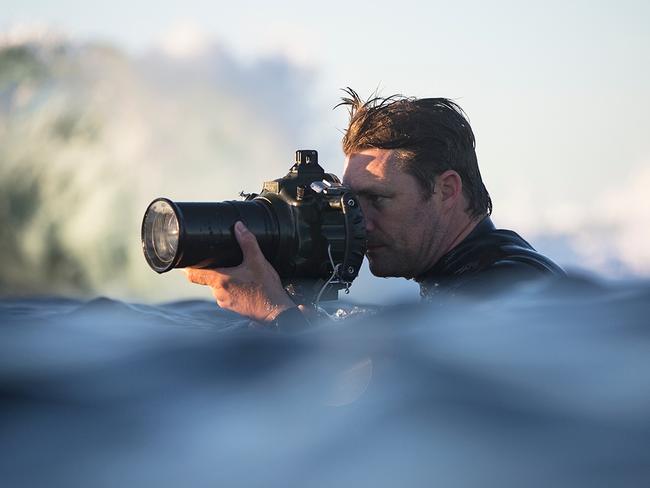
[[160, 235], [164, 232], [182, 234]]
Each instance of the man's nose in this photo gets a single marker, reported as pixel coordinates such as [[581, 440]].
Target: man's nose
[[370, 223], [367, 215]]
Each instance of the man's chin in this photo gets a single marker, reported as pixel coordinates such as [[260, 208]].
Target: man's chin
[[381, 270]]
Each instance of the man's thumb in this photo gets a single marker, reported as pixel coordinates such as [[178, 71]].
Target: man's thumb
[[247, 241]]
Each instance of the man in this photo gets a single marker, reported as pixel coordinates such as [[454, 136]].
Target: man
[[412, 163]]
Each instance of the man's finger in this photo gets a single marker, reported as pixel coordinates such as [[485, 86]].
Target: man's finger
[[202, 276], [248, 242]]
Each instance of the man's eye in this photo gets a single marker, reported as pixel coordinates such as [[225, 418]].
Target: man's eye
[[377, 200]]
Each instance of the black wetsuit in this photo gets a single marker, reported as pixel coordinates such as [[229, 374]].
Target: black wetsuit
[[488, 260]]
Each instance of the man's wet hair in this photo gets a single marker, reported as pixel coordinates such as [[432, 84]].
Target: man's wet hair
[[429, 136]]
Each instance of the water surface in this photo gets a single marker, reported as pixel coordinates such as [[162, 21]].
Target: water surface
[[546, 386]]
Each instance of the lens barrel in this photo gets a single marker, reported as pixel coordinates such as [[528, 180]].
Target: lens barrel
[[183, 234]]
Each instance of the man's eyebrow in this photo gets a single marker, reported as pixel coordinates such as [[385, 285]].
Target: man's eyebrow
[[374, 190]]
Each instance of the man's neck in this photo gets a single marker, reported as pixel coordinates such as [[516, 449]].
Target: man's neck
[[462, 234], [456, 236]]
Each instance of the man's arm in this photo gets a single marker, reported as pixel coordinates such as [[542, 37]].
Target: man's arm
[[252, 289]]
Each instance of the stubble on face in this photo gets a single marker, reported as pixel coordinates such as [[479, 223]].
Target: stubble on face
[[407, 248]]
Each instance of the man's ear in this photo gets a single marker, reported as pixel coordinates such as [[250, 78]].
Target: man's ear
[[450, 186]]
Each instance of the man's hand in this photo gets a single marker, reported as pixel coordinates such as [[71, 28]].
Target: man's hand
[[252, 289]]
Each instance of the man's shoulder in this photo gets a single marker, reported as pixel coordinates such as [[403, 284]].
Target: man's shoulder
[[506, 250], [488, 257]]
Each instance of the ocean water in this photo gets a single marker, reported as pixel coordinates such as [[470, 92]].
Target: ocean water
[[546, 386]]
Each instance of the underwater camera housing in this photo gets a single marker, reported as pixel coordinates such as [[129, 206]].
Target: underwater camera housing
[[308, 226]]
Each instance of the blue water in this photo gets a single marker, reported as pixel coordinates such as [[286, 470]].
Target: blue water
[[546, 386]]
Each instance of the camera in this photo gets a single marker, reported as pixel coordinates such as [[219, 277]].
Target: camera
[[308, 225]]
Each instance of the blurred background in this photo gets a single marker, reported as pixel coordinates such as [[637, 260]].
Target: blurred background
[[104, 107]]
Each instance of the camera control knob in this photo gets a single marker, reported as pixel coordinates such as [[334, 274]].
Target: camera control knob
[[306, 156], [300, 193], [318, 186]]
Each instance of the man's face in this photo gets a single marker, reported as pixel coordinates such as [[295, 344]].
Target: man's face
[[402, 226]]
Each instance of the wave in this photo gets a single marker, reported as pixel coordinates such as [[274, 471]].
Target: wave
[[546, 386], [89, 135]]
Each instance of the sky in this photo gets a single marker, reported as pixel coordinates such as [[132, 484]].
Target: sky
[[556, 91]]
